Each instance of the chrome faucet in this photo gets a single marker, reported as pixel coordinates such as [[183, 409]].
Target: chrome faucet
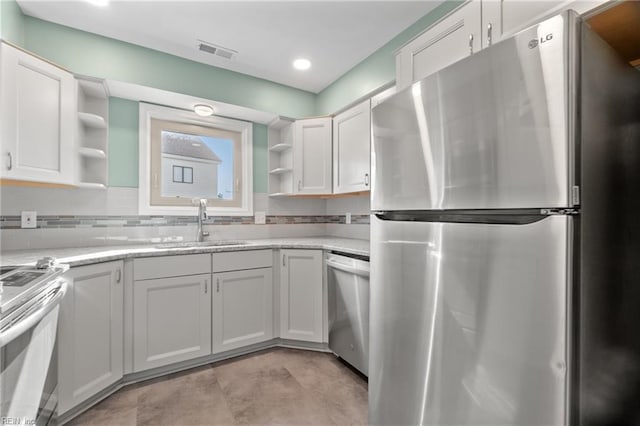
[[202, 215]]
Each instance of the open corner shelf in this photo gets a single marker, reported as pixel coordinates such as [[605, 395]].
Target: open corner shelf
[[93, 133], [92, 120], [92, 152], [280, 170], [91, 185], [280, 147]]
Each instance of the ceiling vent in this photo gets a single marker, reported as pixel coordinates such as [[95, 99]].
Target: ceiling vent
[[213, 49]]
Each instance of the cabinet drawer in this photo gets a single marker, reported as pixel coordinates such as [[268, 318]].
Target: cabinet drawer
[[238, 260], [171, 266]]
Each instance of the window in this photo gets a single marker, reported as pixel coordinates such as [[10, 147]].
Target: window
[[184, 156], [182, 174]]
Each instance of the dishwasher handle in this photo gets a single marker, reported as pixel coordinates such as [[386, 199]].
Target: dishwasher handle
[[347, 268]]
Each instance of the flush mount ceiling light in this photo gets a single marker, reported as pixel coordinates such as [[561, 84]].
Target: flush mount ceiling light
[[101, 3], [302, 64], [203, 110]]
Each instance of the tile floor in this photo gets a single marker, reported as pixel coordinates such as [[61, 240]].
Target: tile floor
[[276, 386]]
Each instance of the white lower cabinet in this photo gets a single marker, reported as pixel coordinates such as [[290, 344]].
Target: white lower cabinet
[[301, 305], [90, 335], [171, 320], [242, 308]]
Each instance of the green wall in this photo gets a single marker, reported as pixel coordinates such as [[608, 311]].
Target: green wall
[[260, 162], [98, 56], [123, 142], [376, 70], [11, 22]]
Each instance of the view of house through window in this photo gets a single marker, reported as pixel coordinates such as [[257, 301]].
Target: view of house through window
[[193, 161]]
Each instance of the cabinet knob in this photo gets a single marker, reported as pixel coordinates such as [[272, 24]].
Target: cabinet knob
[[366, 179], [10, 163], [489, 33], [118, 276], [470, 44], [299, 185], [218, 285], [206, 286], [284, 260]]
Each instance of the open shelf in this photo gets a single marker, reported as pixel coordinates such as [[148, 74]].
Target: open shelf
[[280, 144], [93, 133], [280, 170], [280, 147], [93, 88], [91, 185], [92, 152], [92, 120]]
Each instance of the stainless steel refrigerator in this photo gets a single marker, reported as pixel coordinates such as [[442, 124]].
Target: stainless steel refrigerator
[[505, 255]]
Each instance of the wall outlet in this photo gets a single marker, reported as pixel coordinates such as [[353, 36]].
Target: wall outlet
[[260, 218], [29, 219], [347, 218]]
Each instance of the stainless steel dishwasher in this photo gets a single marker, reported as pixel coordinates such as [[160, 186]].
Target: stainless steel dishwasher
[[348, 292]]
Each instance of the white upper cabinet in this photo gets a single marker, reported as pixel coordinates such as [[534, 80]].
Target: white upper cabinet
[[451, 39], [351, 149], [475, 25], [503, 18], [312, 156], [38, 118]]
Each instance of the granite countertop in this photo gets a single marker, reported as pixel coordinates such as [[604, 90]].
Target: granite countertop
[[87, 255]]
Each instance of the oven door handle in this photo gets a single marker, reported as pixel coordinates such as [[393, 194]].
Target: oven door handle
[[32, 316]]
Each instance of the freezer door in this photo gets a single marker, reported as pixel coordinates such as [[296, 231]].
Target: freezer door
[[491, 131], [468, 323]]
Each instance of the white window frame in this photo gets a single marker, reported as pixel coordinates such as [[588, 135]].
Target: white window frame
[[148, 112]]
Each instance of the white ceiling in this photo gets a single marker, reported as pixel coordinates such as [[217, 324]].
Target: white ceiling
[[268, 35]]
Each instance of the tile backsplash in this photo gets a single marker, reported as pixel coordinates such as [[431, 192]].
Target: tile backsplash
[[48, 222], [79, 217]]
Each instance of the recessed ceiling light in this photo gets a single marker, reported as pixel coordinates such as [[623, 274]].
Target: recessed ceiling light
[[203, 110], [302, 64], [98, 2]]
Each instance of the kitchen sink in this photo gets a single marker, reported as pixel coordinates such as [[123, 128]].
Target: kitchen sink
[[185, 244]]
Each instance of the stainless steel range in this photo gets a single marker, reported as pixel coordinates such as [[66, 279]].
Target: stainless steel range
[[29, 305]]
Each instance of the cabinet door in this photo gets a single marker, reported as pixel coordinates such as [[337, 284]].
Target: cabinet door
[[172, 320], [352, 149], [301, 295], [312, 156], [503, 18], [453, 38], [242, 308], [90, 333], [37, 110]]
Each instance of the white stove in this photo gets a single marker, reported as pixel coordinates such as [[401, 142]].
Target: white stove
[[29, 305], [19, 284]]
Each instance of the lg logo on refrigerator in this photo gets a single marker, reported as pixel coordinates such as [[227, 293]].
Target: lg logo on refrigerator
[[535, 42]]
